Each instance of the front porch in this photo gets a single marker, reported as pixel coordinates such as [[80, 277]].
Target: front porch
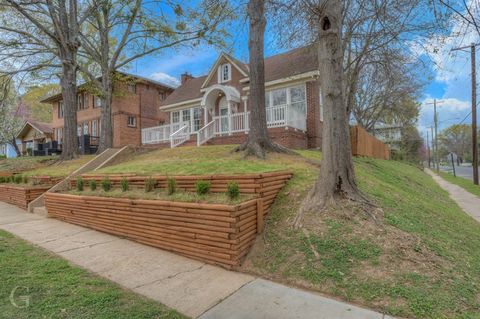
[[285, 116], [223, 113]]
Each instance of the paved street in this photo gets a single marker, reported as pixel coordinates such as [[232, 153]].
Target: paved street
[[461, 171], [193, 288]]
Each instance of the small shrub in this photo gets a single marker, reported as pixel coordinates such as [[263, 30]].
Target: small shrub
[[233, 190], [8, 179], [2, 179], [93, 185], [124, 184], [171, 186], [203, 187], [79, 184], [149, 184], [106, 184], [17, 179], [25, 179]]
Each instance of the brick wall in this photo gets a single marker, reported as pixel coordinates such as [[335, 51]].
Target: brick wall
[[143, 105]]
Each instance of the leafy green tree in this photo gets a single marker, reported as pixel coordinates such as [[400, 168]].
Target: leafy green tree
[[457, 139], [40, 111]]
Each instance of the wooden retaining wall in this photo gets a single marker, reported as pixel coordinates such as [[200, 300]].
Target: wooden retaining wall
[[265, 185], [364, 144], [20, 196], [218, 234]]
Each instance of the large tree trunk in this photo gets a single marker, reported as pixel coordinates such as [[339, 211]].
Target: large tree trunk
[[258, 141], [337, 178], [106, 133], [69, 94]]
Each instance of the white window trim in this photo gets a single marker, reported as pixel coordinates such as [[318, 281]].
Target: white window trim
[[289, 98], [191, 120], [220, 73], [320, 103]]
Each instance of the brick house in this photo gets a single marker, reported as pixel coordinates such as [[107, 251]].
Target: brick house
[[213, 108], [135, 105]]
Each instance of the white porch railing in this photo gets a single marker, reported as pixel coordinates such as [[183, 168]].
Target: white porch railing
[[180, 136], [205, 133], [160, 134], [287, 115]]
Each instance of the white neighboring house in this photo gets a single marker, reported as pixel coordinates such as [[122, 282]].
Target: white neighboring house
[[390, 134]]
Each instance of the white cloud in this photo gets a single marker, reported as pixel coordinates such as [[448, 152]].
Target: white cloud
[[165, 78], [450, 104]]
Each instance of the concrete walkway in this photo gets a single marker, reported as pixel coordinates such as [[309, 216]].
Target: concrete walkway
[[193, 288], [467, 201]]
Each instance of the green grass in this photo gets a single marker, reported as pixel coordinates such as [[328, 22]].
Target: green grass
[[26, 163], [194, 160], [462, 182], [56, 289], [43, 165], [60, 168]]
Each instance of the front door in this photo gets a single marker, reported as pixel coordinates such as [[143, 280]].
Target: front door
[[223, 108]]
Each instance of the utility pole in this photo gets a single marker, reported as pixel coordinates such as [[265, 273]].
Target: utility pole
[[472, 48], [433, 148], [436, 160], [428, 151]]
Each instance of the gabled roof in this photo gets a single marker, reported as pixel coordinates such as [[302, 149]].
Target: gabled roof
[[58, 96], [281, 66], [236, 63], [41, 127]]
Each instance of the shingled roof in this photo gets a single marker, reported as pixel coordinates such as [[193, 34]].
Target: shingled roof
[[280, 66]]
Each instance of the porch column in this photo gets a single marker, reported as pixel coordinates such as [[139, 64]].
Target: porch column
[[246, 117], [229, 103], [205, 115]]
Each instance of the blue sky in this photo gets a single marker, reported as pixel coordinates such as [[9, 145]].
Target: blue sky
[[450, 84]]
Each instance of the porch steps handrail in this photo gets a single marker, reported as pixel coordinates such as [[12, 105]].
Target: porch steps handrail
[[180, 136], [206, 133]]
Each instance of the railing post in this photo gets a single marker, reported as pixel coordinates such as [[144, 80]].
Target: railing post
[[286, 116]]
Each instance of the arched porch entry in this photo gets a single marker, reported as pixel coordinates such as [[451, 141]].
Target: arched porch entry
[[221, 106]]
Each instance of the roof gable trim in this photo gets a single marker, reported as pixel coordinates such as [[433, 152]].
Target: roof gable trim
[[214, 68]]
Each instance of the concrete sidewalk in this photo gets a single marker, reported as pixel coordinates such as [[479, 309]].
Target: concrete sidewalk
[[193, 288], [466, 200]]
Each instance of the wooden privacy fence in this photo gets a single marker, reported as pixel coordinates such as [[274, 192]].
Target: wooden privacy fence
[[20, 196], [364, 144]]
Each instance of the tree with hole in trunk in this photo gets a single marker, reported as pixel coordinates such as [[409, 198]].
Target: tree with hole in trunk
[[258, 141], [337, 178]]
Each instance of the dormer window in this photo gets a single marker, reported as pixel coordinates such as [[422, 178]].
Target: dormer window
[[224, 73]]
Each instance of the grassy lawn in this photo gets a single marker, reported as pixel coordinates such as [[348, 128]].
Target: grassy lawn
[[26, 163], [43, 165], [193, 160], [419, 257], [59, 290], [462, 182]]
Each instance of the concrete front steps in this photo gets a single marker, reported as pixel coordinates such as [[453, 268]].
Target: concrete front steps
[[103, 159]]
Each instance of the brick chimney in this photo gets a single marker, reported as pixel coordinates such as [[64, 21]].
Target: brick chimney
[[185, 77]]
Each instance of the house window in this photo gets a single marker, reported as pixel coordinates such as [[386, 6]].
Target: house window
[[162, 95], [79, 102], [279, 97], [85, 101], [98, 102], [132, 121], [186, 115], [132, 88], [59, 136], [224, 73], [94, 128], [79, 130], [175, 117], [197, 118], [60, 109], [85, 128]]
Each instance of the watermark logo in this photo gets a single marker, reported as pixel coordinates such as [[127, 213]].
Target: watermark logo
[[19, 297]]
